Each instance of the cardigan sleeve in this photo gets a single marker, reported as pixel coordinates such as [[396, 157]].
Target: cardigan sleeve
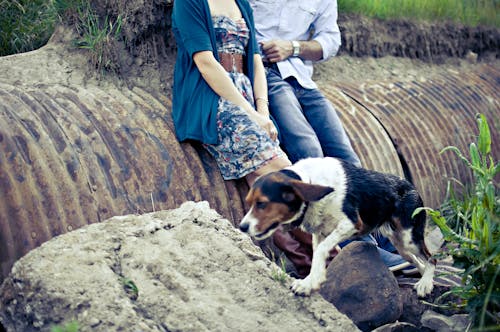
[[256, 49], [192, 25]]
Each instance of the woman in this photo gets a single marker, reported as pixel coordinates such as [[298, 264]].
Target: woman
[[220, 90]]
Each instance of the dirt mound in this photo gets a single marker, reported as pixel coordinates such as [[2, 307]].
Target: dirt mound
[[186, 269], [431, 42], [145, 53]]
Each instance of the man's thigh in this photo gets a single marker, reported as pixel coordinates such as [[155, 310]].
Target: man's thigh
[[327, 125], [296, 134]]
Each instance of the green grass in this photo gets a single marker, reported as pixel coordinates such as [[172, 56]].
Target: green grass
[[279, 274], [468, 12], [97, 35], [69, 327], [25, 25], [470, 224]]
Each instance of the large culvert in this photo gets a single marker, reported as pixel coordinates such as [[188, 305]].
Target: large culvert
[[421, 118], [72, 155]]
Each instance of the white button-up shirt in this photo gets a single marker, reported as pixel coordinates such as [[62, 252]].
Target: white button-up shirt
[[298, 20]]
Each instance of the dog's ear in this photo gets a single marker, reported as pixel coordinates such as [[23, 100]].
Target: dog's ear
[[310, 192], [288, 196]]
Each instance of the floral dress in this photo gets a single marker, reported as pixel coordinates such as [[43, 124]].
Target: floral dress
[[243, 145]]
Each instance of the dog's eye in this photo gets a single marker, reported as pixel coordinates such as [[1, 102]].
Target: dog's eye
[[261, 205]]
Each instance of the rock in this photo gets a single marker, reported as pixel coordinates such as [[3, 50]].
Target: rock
[[471, 57], [397, 327], [441, 323], [434, 240], [186, 269], [413, 307], [360, 285]]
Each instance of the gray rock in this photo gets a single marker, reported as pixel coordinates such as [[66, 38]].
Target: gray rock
[[179, 270], [360, 285], [397, 327], [441, 323]]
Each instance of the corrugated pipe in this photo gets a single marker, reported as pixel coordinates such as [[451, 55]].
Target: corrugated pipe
[[74, 155]]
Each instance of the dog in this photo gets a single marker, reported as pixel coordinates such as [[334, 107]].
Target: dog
[[335, 201]]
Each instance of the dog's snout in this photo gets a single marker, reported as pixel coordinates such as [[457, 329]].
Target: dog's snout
[[244, 227]]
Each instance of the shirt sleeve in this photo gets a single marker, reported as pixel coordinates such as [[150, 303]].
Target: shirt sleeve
[[326, 29], [191, 21]]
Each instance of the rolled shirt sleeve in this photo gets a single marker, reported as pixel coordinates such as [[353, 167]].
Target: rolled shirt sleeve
[[326, 29]]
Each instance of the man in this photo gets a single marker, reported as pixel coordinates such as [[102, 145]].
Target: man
[[293, 34]]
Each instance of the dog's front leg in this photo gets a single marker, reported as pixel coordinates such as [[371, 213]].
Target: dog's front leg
[[317, 275]]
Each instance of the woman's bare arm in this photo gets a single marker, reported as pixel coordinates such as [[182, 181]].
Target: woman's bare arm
[[216, 77]]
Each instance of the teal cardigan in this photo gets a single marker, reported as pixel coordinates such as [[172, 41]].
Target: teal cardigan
[[194, 103]]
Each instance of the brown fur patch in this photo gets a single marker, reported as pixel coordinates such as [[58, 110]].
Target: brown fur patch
[[266, 211], [360, 225], [273, 213]]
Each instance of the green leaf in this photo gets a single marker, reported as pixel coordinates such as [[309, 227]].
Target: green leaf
[[474, 156], [457, 152], [484, 140]]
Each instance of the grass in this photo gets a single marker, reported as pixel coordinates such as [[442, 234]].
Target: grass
[[97, 37], [130, 288], [468, 12], [25, 25], [470, 224], [69, 327], [279, 274]]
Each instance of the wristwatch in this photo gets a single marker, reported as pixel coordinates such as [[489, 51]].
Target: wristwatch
[[296, 48]]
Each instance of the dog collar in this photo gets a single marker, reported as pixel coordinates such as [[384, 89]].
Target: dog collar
[[296, 223]]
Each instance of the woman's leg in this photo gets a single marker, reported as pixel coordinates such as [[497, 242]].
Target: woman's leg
[[271, 166]]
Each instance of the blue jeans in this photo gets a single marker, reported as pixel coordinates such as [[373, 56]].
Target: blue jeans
[[307, 122]]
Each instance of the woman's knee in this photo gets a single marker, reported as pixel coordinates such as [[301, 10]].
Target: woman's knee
[[271, 166]]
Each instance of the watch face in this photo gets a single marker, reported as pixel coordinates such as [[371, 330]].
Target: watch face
[[296, 48]]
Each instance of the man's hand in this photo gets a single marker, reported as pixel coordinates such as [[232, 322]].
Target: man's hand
[[277, 50]]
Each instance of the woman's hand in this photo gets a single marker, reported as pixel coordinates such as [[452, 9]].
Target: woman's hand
[[266, 123]]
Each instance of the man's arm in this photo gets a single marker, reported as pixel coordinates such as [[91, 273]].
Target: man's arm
[[279, 50], [323, 44]]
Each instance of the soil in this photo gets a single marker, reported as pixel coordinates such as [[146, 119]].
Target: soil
[[371, 49]]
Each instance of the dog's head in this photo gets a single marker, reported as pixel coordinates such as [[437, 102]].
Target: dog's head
[[278, 198]]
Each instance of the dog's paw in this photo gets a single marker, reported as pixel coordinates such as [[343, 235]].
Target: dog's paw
[[302, 287], [306, 286], [424, 287]]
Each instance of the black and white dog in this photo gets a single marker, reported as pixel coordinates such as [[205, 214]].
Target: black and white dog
[[334, 201]]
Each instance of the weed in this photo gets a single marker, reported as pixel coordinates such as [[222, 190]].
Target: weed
[[68, 327], [130, 288], [471, 227], [280, 274], [98, 36]]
